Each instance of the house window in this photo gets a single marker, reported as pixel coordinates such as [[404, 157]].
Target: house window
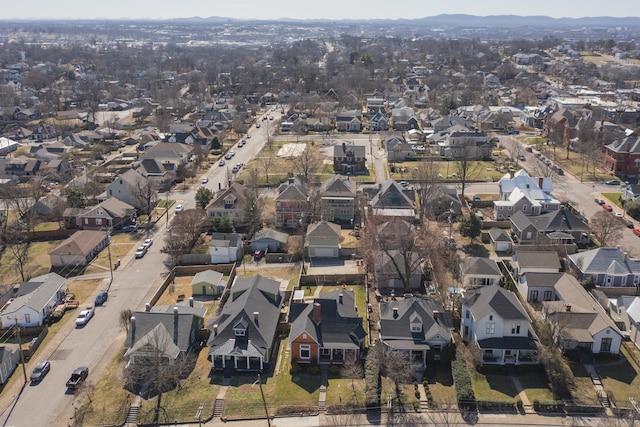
[[547, 295], [326, 351], [466, 315], [524, 208], [416, 327], [491, 317], [515, 329], [491, 328], [533, 296], [27, 318], [605, 345], [466, 331], [239, 332], [98, 221], [305, 351]]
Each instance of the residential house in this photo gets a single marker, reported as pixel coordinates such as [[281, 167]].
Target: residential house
[[494, 320], [111, 213], [403, 119], [34, 302], [520, 192], [459, 142], [561, 126], [323, 240], [581, 322], [9, 359], [78, 141], [417, 327], [229, 202], [476, 271], [21, 167], [543, 261], [208, 283], [269, 240], [395, 232], [631, 192], [625, 311], [538, 287], [226, 248], [398, 269], [161, 173], [622, 156], [349, 121], [8, 146], [378, 122], [398, 150], [79, 249], [172, 332], [291, 204], [391, 201], [442, 200], [500, 240], [349, 159], [129, 187], [561, 227], [327, 330], [243, 335], [607, 267], [338, 200]]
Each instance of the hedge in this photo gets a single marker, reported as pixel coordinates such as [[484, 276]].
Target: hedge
[[462, 380], [372, 380]]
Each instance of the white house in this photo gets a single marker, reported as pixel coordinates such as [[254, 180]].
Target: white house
[[495, 321], [225, 248], [36, 300]]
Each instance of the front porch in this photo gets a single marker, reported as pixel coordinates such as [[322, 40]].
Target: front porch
[[237, 363], [336, 356], [509, 357]]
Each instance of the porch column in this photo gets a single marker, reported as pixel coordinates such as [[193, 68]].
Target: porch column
[[248, 360], [224, 364], [424, 358], [235, 362], [261, 363]]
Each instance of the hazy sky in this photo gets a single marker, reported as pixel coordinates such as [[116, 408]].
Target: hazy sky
[[309, 9]]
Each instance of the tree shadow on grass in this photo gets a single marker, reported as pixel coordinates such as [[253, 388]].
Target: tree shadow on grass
[[475, 249]]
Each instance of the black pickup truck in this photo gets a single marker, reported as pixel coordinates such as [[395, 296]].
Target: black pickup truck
[[77, 377]]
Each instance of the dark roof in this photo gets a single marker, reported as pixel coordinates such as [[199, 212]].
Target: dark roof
[[339, 324], [509, 343], [480, 266], [494, 299], [539, 280], [391, 195], [338, 186], [256, 294]]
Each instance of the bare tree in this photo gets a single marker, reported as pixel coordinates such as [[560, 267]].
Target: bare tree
[[22, 198], [397, 366], [606, 227], [153, 369], [188, 225], [266, 160], [352, 368], [125, 319], [17, 243], [426, 178], [305, 163], [466, 165], [146, 195]]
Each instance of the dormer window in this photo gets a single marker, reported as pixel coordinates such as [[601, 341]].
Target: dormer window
[[240, 328], [415, 323], [239, 332]]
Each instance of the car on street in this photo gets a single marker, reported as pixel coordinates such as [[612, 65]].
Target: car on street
[[258, 125], [141, 251], [85, 315], [40, 371], [221, 162], [636, 231], [130, 228], [477, 198], [599, 201], [235, 169], [404, 183], [613, 182], [248, 136], [147, 243], [607, 207], [77, 377], [204, 180], [241, 143], [529, 149], [270, 117], [179, 208], [522, 157], [628, 223], [102, 297], [228, 156], [618, 214]]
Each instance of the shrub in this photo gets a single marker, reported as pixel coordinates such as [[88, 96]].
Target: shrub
[[462, 380], [372, 379], [295, 368], [314, 369], [334, 369]]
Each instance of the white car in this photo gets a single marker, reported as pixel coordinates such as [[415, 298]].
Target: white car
[[84, 316], [141, 251], [204, 180], [179, 208], [147, 243], [618, 214]]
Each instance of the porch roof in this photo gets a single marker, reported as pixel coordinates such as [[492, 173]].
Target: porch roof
[[406, 345], [508, 343]]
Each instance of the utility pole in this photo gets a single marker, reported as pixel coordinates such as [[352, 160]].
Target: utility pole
[[24, 369], [109, 252], [264, 402]]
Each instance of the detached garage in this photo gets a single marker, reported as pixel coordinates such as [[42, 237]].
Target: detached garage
[[323, 240]]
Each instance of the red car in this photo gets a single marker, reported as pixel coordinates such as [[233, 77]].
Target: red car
[[607, 207], [636, 231]]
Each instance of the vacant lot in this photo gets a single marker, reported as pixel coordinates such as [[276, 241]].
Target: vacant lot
[[38, 262]]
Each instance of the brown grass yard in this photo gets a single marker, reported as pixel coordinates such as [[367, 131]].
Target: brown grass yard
[[583, 393], [493, 387], [290, 273], [621, 377], [39, 262], [442, 388], [407, 398]]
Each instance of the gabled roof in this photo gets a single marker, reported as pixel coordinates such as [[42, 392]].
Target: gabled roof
[[395, 228], [36, 293], [499, 235], [605, 261], [211, 277], [250, 295], [397, 317], [338, 186], [323, 229], [113, 207], [81, 243], [495, 299], [291, 191], [560, 220], [480, 266], [391, 195], [539, 280], [236, 190], [630, 144], [339, 327], [269, 233], [537, 259], [233, 240]]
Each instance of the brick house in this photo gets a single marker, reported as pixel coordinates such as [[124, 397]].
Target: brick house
[[622, 157]]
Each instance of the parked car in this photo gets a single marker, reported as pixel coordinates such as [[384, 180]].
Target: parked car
[[235, 169], [404, 183], [636, 231], [147, 243], [77, 377], [618, 214], [258, 125], [522, 158], [257, 255], [101, 298], [141, 251], [130, 228], [179, 208], [40, 371], [228, 156], [476, 198], [85, 315], [613, 182], [628, 223], [241, 143], [204, 180], [529, 149], [599, 201], [607, 207], [221, 162]]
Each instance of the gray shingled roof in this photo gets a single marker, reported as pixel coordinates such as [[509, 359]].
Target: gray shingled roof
[[36, 293], [480, 266], [494, 299], [391, 195], [605, 260]]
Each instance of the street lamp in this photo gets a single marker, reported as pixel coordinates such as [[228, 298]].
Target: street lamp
[[264, 402]]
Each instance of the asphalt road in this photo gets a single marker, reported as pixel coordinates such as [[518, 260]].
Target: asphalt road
[[49, 403]]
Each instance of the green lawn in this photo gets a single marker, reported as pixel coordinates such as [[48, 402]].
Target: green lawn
[[493, 387], [342, 391], [583, 393], [407, 398], [442, 388], [614, 198], [622, 378], [478, 171], [535, 385]]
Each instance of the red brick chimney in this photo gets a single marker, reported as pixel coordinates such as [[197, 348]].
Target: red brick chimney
[[540, 181], [317, 312]]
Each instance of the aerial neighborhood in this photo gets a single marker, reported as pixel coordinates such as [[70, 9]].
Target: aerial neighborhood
[[352, 222]]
